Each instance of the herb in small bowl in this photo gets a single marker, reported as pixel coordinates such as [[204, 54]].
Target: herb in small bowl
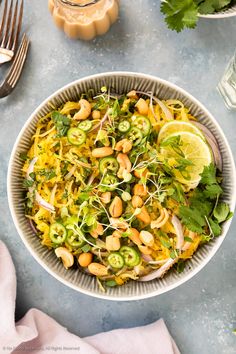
[[180, 14]]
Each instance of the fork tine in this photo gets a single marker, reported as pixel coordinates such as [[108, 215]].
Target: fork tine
[[9, 16], [18, 26], [3, 18], [13, 25], [18, 62]]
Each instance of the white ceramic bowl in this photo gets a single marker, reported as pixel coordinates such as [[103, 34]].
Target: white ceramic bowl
[[120, 82]]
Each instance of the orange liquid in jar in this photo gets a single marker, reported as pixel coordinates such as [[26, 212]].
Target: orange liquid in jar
[[84, 22]]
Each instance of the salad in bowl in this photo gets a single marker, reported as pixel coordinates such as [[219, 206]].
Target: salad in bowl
[[123, 186]]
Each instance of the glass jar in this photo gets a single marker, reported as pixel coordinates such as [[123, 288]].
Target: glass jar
[[84, 19], [227, 85]]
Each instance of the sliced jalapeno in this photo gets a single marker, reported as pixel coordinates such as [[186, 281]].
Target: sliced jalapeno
[[57, 233], [116, 260], [76, 136], [143, 124], [74, 239], [135, 135], [85, 125], [124, 126], [110, 181], [108, 164], [131, 256]]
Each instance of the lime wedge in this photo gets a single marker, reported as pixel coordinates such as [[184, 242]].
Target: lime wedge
[[177, 126], [187, 154]]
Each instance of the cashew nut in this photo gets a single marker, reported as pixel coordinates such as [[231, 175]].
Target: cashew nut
[[134, 236], [102, 152], [142, 172], [140, 190], [137, 201], [97, 269], [132, 94], [161, 220], [65, 255], [147, 238], [112, 243], [119, 224], [118, 233], [144, 216], [145, 249], [106, 197], [85, 110], [125, 165], [142, 106], [97, 232], [116, 207], [124, 145]]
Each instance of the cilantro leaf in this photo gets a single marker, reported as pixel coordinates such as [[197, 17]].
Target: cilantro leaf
[[215, 227], [86, 248], [211, 6], [212, 191], [208, 176], [23, 156], [28, 183], [192, 218], [61, 122], [180, 14], [111, 283], [49, 174], [221, 212], [180, 266]]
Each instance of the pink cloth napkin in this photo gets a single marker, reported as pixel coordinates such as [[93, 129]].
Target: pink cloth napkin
[[38, 333]]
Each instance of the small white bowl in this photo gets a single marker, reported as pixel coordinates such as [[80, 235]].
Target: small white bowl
[[120, 82]]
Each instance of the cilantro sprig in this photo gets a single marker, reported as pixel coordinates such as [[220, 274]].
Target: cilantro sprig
[[180, 14], [205, 213], [61, 122]]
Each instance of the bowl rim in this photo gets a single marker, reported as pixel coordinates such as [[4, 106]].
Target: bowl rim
[[177, 283], [218, 15]]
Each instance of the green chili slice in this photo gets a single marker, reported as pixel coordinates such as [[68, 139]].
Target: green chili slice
[[135, 135], [124, 126], [57, 233], [116, 260], [85, 125], [143, 124], [108, 164], [76, 136], [110, 181], [130, 255]]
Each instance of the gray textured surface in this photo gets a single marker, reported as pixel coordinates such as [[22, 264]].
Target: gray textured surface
[[201, 313]]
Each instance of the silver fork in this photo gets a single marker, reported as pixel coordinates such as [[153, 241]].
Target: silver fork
[[15, 70], [9, 30]]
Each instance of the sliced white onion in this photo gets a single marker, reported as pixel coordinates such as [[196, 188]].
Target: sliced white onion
[[213, 144], [205, 130], [146, 257], [43, 203], [216, 153], [159, 272], [31, 167], [32, 226], [137, 269], [52, 197], [165, 110], [158, 262], [179, 232], [70, 173], [187, 244]]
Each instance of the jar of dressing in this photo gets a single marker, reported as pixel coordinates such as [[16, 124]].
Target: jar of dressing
[[84, 19]]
